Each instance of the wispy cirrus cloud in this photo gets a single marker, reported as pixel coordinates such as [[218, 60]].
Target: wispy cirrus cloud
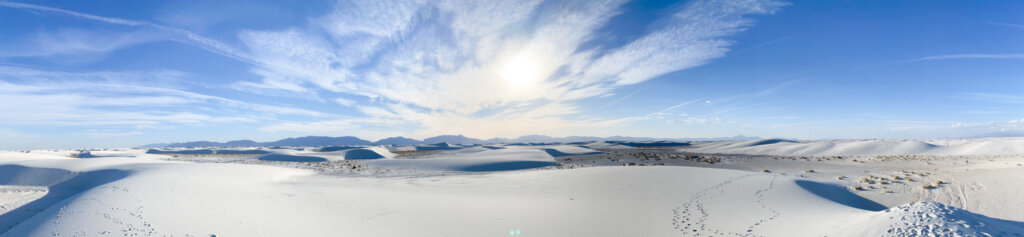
[[63, 42], [967, 56], [110, 20], [176, 34], [476, 68], [440, 64], [1018, 26], [126, 98]]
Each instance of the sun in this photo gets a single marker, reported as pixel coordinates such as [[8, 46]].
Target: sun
[[520, 71]]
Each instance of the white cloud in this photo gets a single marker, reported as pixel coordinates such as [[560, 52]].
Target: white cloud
[[345, 102], [1011, 125], [436, 65], [382, 19], [712, 120], [330, 126], [176, 34], [440, 64], [693, 36], [113, 98], [71, 13], [75, 42], [108, 133], [969, 56]]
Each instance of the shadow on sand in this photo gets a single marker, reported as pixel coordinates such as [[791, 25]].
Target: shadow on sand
[[839, 195], [291, 158], [503, 166], [555, 153], [62, 184]]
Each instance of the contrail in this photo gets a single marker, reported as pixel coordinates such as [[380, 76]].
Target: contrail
[[191, 38]]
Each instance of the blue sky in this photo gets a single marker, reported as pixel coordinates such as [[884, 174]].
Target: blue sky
[[81, 74]]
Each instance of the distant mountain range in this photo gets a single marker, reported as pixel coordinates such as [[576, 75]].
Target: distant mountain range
[[403, 141]]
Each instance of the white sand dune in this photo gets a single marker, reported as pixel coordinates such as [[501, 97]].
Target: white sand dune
[[245, 200], [353, 153], [202, 151], [361, 153], [138, 195], [15, 196], [475, 159], [978, 146], [931, 219], [568, 150], [294, 155], [438, 146], [606, 145]]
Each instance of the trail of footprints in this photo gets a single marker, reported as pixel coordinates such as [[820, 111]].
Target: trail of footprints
[[690, 218], [136, 225], [760, 201]]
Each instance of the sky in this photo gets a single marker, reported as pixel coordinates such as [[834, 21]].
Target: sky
[[78, 74]]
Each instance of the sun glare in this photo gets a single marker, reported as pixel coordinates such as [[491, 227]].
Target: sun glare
[[520, 71]]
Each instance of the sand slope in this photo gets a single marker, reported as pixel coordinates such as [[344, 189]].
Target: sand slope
[[475, 159], [141, 196], [978, 146]]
